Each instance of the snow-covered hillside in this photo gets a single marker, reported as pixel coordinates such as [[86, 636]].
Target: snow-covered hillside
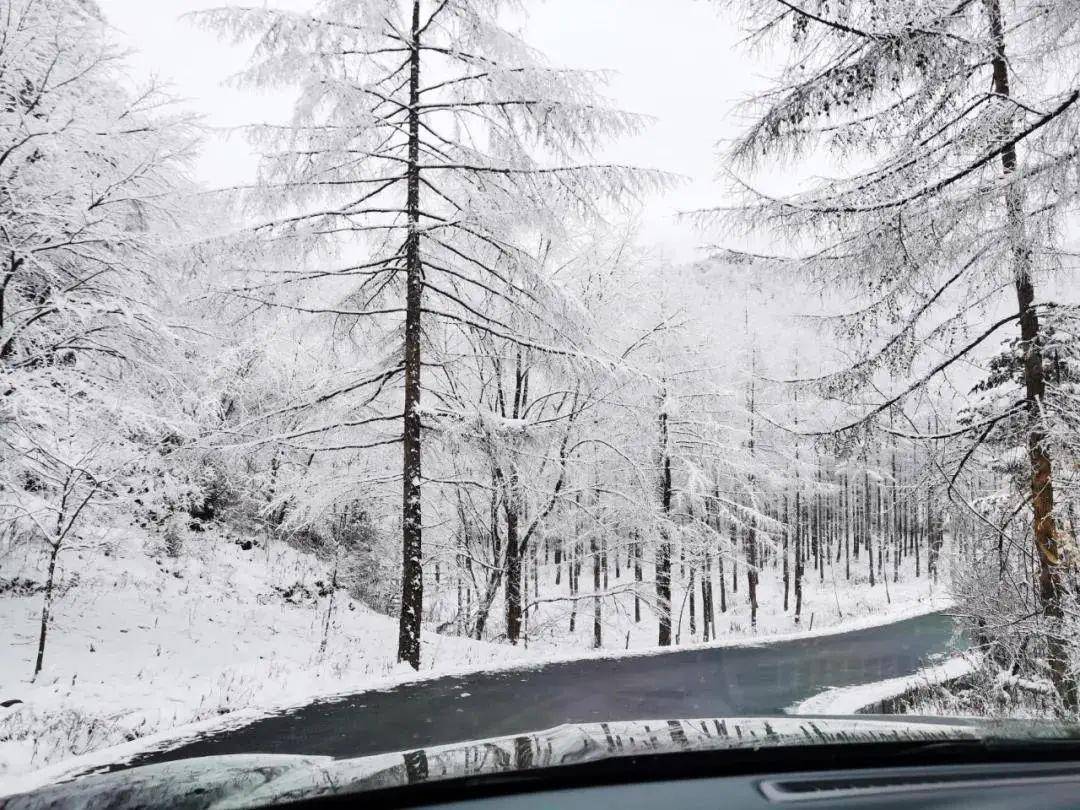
[[140, 642]]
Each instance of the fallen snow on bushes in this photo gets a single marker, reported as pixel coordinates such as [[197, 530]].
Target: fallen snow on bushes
[[851, 699]]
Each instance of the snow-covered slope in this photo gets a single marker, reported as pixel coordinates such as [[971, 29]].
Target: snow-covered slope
[[141, 642]]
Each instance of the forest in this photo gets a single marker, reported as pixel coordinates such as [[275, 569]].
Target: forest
[[423, 393]]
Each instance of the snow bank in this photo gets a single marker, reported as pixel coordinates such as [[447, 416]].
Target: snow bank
[[851, 699]]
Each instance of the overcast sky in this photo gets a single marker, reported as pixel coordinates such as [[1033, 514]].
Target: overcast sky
[[675, 60]]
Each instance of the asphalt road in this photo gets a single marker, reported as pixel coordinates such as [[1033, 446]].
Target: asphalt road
[[718, 682]]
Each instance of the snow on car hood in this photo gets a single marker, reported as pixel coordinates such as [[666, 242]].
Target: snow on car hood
[[242, 781]]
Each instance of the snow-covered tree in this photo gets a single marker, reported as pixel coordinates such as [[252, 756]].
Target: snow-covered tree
[[950, 129], [427, 141], [90, 170]]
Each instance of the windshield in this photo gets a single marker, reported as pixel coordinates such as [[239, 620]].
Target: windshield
[[381, 375]]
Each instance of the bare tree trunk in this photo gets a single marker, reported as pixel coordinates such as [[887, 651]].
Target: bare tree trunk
[[663, 549], [708, 616], [798, 522], [847, 528], [594, 547], [880, 518], [663, 591], [894, 514], [931, 521], [637, 577], [821, 553], [47, 606], [484, 608], [604, 560], [512, 506], [7, 348], [558, 560], [918, 533], [734, 558], [751, 536], [752, 578], [692, 592], [412, 574], [834, 525], [787, 539], [868, 526], [799, 559], [856, 519], [720, 577], [513, 575], [535, 576]]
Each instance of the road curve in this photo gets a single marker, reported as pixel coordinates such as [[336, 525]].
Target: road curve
[[703, 682]]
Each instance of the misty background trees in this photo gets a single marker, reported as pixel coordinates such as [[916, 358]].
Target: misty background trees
[[428, 344]]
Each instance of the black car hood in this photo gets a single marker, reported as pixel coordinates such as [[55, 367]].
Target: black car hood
[[257, 780]]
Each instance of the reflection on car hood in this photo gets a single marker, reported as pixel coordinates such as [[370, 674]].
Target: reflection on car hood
[[241, 781]]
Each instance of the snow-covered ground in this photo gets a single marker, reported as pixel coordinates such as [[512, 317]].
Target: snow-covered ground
[[829, 603], [852, 699], [140, 643], [143, 646]]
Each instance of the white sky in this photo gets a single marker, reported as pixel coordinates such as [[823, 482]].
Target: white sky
[[676, 60]]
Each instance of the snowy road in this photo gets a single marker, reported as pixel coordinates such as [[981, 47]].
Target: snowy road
[[690, 683]]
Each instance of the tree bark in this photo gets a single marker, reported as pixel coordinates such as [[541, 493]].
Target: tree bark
[[513, 575], [1041, 476], [798, 525], [691, 589], [663, 549], [46, 608], [751, 536], [868, 524], [412, 572], [787, 540], [847, 529], [512, 505], [558, 560], [7, 348], [637, 577], [708, 616], [597, 630]]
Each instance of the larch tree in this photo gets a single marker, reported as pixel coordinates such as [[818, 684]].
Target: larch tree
[[528, 414], [428, 145], [702, 470], [951, 128]]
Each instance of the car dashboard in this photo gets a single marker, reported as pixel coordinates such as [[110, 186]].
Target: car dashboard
[[978, 787]]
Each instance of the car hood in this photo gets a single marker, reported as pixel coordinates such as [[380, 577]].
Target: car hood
[[257, 780]]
